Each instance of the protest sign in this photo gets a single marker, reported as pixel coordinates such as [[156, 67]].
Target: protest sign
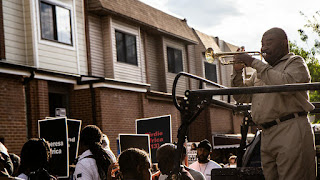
[[54, 130], [159, 130], [140, 141]]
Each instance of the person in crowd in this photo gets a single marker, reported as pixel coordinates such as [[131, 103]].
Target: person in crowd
[[5, 164], [194, 173], [204, 164], [35, 157], [106, 146], [16, 163], [93, 163], [8, 166], [134, 164], [232, 162], [165, 157], [287, 142]]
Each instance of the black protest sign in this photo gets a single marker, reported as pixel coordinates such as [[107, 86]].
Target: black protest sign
[[159, 130], [74, 127], [140, 141], [56, 133]]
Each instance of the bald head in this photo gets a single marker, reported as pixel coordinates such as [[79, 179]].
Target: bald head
[[277, 32], [275, 45]]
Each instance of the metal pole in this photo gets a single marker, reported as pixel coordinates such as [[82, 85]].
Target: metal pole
[[257, 89]]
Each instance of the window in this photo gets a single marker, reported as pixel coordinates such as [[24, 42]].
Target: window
[[126, 48], [55, 23], [174, 60], [211, 71]]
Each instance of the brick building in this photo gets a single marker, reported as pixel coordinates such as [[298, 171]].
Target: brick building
[[109, 63]]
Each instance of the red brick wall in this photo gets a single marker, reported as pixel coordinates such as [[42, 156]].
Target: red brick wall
[[117, 110], [12, 112], [80, 106], [154, 107], [200, 128], [221, 120], [38, 104], [214, 120]]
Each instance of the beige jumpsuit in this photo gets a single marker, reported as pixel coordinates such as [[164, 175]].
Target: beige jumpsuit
[[287, 149]]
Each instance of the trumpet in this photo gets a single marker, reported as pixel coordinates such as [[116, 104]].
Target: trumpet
[[226, 58]]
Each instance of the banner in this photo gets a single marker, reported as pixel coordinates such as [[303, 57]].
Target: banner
[[54, 130], [159, 130], [140, 141], [192, 152]]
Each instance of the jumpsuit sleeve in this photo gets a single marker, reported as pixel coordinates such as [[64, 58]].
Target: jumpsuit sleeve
[[238, 81], [295, 71]]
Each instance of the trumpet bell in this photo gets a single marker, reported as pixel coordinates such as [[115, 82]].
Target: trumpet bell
[[226, 58]]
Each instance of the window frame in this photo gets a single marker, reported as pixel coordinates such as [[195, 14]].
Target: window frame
[[55, 28], [124, 34], [216, 71], [175, 70]]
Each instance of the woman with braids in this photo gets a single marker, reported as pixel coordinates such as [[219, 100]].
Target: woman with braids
[[35, 157], [93, 163]]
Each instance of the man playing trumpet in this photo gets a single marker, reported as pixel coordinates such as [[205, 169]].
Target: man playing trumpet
[[287, 143]]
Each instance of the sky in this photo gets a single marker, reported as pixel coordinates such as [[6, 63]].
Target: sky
[[243, 22]]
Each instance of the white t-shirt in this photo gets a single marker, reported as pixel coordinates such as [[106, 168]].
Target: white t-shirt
[[23, 176], [86, 167], [205, 168]]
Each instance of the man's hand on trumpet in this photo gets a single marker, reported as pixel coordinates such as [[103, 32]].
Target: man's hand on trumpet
[[242, 60]]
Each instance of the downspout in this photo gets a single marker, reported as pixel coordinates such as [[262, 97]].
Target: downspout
[[26, 82], [93, 101], [92, 92]]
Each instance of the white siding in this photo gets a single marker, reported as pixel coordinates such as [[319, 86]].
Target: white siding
[[154, 62], [14, 30], [124, 71], [81, 37], [192, 65], [28, 33], [182, 83], [96, 46], [57, 56], [107, 47]]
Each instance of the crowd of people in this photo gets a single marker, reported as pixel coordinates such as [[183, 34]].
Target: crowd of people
[[287, 144], [97, 162]]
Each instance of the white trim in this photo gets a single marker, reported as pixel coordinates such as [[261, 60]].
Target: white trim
[[14, 72], [34, 9], [56, 44], [76, 35], [56, 79], [112, 48], [37, 75], [142, 72], [25, 32], [226, 146], [112, 86]]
